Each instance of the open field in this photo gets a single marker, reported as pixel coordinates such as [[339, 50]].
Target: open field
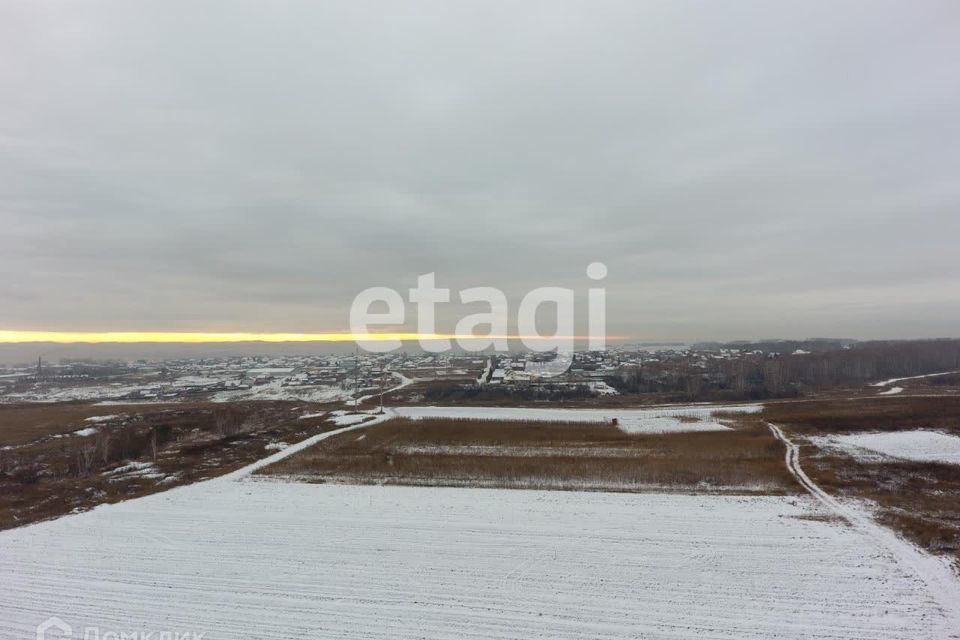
[[546, 455], [893, 413], [59, 458], [282, 560], [23, 423], [263, 557], [919, 499], [664, 419]]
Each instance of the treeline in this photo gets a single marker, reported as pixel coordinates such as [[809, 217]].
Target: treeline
[[761, 375], [866, 362]]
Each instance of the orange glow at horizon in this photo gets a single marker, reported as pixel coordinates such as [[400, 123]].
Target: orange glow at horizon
[[94, 337]]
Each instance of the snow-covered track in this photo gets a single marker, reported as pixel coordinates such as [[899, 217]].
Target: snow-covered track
[[941, 580]]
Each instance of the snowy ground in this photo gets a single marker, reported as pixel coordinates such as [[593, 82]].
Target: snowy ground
[[275, 390], [115, 416], [919, 445], [402, 381], [115, 392], [70, 394], [654, 420], [236, 558], [887, 383], [276, 560], [343, 419], [892, 391]]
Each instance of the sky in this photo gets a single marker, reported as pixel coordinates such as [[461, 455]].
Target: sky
[[745, 169]]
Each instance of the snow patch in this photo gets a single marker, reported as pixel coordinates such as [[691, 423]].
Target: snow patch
[[138, 470], [602, 388], [349, 419], [276, 390], [917, 445], [129, 468], [103, 418]]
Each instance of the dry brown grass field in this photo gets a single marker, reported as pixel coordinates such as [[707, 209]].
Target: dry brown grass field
[[23, 423], [868, 414], [921, 500], [542, 455]]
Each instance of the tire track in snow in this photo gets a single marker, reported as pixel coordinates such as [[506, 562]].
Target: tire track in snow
[[298, 447], [936, 573]]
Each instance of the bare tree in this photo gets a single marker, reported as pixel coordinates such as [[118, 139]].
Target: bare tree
[[104, 440], [86, 455]]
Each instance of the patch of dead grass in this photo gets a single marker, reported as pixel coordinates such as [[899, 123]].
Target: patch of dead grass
[[868, 414], [450, 452]]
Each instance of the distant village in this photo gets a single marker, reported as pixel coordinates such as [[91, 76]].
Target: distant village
[[314, 377], [707, 371]]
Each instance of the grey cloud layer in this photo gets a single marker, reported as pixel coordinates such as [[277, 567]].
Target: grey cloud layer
[[745, 168]]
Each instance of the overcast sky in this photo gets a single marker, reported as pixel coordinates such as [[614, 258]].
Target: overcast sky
[[744, 169]]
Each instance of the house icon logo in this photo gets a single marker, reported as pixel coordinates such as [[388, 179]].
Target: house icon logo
[[53, 628]]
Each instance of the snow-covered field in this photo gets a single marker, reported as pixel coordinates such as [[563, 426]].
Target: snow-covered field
[[115, 393], [919, 445], [276, 560], [343, 419], [654, 420], [79, 393], [275, 390]]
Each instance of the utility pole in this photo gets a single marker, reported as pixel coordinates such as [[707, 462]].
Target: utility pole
[[381, 387], [356, 378]]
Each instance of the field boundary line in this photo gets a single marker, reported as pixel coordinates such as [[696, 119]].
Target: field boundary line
[[941, 580]]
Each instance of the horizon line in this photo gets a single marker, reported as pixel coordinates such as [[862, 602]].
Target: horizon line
[[201, 337]]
